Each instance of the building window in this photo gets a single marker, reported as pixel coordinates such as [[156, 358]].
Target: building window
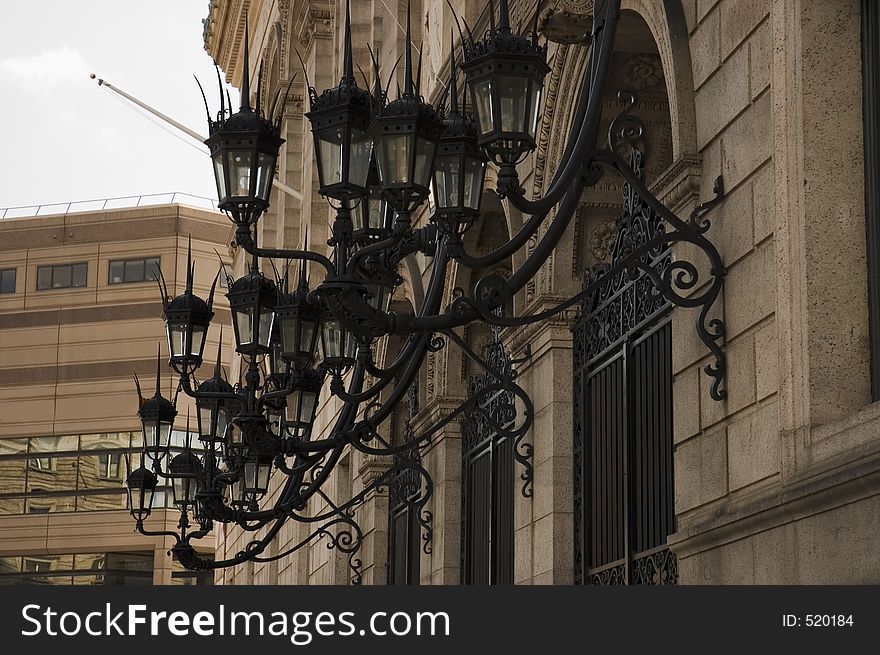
[[124, 271], [73, 473], [404, 490], [108, 466], [488, 479], [7, 280], [81, 569], [62, 276], [623, 439]]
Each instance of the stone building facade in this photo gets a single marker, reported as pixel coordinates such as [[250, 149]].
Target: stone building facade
[[777, 483]]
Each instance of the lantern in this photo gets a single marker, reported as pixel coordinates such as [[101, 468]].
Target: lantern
[[302, 404], [459, 170], [244, 148], [157, 418], [141, 485], [340, 119], [252, 301], [338, 344], [214, 413], [505, 73], [185, 470], [299, 321], [405, 136]]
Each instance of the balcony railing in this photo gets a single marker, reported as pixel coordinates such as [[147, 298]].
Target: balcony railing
[[121, 202]]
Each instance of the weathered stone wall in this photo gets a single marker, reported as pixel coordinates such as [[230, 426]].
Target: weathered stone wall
[[779, 482]]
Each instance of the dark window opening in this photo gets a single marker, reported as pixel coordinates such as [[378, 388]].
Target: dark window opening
[[7, 280], [133, 270], [62, 276]]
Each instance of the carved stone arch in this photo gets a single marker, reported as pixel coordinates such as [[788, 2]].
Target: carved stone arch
[[272, 63], [652, 58], [669, 28]]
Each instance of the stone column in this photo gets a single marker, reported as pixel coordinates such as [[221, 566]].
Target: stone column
[[821, 304]]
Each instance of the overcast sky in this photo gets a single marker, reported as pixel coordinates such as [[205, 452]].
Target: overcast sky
[[65, 138]]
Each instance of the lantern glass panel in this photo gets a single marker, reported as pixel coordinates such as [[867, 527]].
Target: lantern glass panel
[[446, 181], [330, 145], [145, 498], [475, 172], [394, 159], [220, 176], [184, 490], [361, 154], [513, 98], [256, 477], [379, 297], [308, 338], [332, 337], [303, 403], [380, 214], [176, 339], [150, 434], [205, 415], [222, 422], [241, 172], [424, 161], [198, 340], [265, 171], [267, 319], [141, 500], [483, 104], [537, 89], [244, 323]]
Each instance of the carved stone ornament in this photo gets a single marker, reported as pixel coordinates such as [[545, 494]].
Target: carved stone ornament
[[602, 241], [567, 21]]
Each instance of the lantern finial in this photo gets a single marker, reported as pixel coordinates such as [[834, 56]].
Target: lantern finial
[[347, 66], [219, 351], [259, 102], [408, 64], [245, 76], [159, 370], [453, 82], [503, 16], [190, 269]]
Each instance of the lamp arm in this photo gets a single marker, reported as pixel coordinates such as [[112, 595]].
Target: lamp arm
[[584, 139], [185, 385], [245, 239]]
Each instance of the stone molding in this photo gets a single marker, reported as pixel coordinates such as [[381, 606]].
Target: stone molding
[[771, 507]]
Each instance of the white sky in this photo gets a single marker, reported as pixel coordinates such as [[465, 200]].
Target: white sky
[[66, 139]]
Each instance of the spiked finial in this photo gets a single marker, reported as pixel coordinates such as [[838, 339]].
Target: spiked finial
[[159, 370], [222, 116], [303, 275], [408, 63], [453, 81], [219, 351], [347, 65], [503, 16], [245, 77], [190, 267], [259, 102]]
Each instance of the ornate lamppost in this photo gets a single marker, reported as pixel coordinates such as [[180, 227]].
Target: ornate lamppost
[[378, 161]]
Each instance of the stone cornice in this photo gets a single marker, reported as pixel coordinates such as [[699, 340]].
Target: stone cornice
[[312, 20], [679, 185]]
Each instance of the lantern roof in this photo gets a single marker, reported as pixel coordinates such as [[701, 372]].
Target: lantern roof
[[252, 281], [142, 478], [158, 403], [200, 310], [185, 463]]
